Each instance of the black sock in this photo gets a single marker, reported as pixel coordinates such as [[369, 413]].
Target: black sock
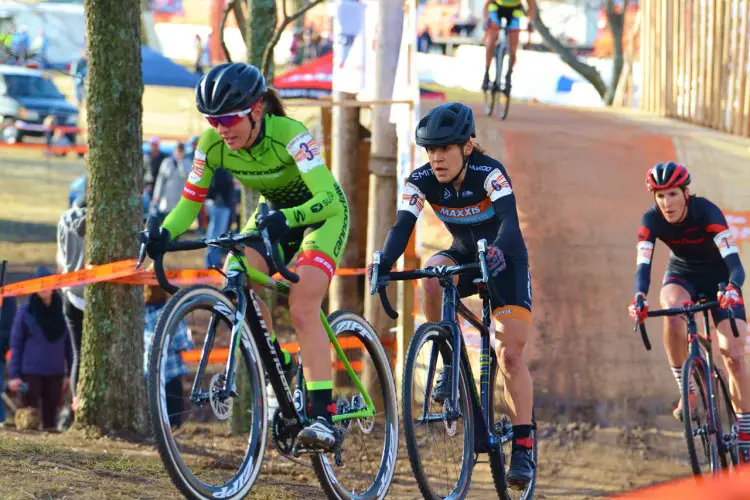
[[522, 437], [320, 400]]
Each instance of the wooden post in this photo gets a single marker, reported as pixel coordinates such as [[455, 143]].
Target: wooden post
[[343, 293], [674, 79], [718, 58], [695, 69], [725, 92], [687, 44], [733, 63], [669, 37], [741, 113], [646, 55], [658, 79], [382, 206]]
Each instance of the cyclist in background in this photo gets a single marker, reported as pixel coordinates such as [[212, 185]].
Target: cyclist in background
[[252, 138], [703, 254], [511, 11], [473, 196]]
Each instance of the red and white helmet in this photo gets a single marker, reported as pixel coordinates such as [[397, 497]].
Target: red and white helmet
[[666, 176]]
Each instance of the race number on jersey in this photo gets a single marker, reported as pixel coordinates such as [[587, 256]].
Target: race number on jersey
[[305, 152], [412, 200], [497, 185]]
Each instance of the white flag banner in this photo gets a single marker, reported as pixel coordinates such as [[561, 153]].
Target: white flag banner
[[349, 46]]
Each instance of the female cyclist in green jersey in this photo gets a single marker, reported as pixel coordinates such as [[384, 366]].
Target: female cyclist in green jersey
[[252, 138]]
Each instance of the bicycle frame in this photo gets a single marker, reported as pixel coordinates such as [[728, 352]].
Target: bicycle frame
[[484, 439], [269, 357]]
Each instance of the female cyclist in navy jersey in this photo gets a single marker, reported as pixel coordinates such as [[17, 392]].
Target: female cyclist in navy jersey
[[473, 196], [703, 254]]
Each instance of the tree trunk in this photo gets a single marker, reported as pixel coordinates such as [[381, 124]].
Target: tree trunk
[[261, 26], [111, 385]]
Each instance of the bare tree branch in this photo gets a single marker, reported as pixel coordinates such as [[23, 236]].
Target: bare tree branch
[[222, 24], [587, 71], [283, 9], [239, 16], [268, 53]]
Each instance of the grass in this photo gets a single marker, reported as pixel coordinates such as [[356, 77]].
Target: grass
[[72, 465]]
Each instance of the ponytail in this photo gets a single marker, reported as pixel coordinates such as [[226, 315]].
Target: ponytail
[[272, 103]]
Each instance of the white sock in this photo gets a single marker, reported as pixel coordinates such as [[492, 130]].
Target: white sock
[[743, 422], [677, 372]]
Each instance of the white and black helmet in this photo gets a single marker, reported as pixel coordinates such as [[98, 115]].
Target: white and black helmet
[[449, 123]]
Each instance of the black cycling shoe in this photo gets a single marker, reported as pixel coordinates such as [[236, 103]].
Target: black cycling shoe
[[442, 389], [521, 470], [506, 88], [486, 82], [317, 436]]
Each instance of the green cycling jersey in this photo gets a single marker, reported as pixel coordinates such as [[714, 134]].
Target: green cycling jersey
[[285, 166]]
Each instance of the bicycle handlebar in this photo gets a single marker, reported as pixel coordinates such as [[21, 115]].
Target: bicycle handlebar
[[378, 284], [229, 241], [690, 309]]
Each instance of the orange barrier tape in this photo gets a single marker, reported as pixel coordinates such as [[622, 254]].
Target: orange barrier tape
[[92, 274], [124, 273], [81, 149], [733, 486]]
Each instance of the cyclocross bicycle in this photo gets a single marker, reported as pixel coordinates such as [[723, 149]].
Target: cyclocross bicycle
[[706, 405], [497, 95], [437, 429], [217, 449]]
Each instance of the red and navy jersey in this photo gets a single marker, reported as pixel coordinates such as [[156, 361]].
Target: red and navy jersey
[[702, 242], [483, 207]]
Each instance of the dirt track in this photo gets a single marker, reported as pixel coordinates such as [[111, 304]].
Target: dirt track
[[579, 180]]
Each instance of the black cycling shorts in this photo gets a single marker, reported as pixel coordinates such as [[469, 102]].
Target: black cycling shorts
[[510, 290], [702, 282]]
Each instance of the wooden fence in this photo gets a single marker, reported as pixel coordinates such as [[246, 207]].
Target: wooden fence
[[694, 62]]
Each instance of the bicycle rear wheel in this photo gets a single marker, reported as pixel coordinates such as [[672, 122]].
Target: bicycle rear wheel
[[726, 423], [700, 430], [491, 93], [503, 104], [441, 450], [208, 449], [368, 454]]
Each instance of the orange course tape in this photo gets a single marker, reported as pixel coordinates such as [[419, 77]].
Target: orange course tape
[[734, 486]]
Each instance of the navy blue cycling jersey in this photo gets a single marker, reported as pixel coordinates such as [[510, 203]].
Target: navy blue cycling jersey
[[702, 243], [483, 207]]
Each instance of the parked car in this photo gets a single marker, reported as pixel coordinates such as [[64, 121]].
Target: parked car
[[27, 97]]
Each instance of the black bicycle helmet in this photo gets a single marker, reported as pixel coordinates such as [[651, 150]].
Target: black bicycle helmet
[[449, 123], [229, 87], [666, 176]]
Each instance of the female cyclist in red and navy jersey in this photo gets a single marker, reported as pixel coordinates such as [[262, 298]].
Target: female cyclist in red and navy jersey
[[703, 254]]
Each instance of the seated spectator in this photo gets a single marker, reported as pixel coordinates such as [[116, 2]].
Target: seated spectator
[[7, 313], [155, 299], [41, 353]]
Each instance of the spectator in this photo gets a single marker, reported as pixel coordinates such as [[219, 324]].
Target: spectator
[[41, 352], [296, 49], [192, 143], [202, 55], [71, 244], [80, 70], [155, 299], [151, 163], [219, 205], [170, 181], [39, 47], [50, 124], [20, 45], [7, 313]]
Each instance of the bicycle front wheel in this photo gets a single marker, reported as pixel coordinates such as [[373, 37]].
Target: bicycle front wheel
[[441, 448], [210, 446], [367, 458], [700, 429]]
